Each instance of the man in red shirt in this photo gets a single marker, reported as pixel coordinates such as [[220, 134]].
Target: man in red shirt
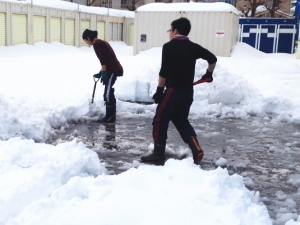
[[110, 70]]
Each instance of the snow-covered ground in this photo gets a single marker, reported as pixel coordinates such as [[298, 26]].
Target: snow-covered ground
[[45, 86]]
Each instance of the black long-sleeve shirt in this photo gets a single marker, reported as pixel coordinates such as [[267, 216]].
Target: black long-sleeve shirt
[[106, 55], [178, 62]]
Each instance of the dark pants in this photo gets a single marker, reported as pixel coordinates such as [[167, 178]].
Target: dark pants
[[109, 91], [174, 106]]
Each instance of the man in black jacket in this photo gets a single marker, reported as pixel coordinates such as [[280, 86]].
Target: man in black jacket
[[177, 72]]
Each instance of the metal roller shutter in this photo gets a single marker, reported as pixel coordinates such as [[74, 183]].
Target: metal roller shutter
[[70, 32], [101, 30], [120, 32], [39, 29], [19, 29], [84, 24], [55, 30], [131, 42], [115, 32], [110, 29], [2, 29]]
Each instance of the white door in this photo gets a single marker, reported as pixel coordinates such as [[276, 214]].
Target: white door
[[39, 29], [115, 32], [84, 24], [70, 32], [2, 29], [55, 29], [101, 30], [120, 31], [19, 29]]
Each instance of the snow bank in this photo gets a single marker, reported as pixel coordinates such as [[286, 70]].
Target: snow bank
[[177, 193], [192, 6], [60, 4], [31, 171]]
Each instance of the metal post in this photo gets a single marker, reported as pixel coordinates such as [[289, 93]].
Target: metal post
[[78, 4], [31, 3]]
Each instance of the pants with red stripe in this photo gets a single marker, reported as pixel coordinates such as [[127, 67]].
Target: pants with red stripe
[[175, 105]]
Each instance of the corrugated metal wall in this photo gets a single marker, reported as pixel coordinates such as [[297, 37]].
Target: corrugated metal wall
[[39, 28], [21, 23], [55, 29], [2, 29], [216, 31], [156, 33], [19, 29]]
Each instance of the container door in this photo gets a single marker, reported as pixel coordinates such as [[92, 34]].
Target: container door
[[70, 31], [285, 38], [267, 38], [84, 24], [110, 27], [249, 34], [120, 32], [131, 41], [19, 29], [55, 30], [115, 32], [101, 30], [39, 29], [2, 29]]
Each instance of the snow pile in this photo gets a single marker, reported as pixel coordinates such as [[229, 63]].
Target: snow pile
[[60, 4], [31, 171], [177, 193], [185, 7]]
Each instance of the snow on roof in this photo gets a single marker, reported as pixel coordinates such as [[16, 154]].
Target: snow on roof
[[59, 4], [192, 6]]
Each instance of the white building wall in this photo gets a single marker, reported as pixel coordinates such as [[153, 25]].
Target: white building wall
[[216, 31]]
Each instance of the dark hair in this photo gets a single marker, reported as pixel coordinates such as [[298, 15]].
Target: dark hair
[[182, 25], [91, 34]]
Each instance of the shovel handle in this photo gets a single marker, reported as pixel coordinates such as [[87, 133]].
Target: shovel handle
[[96, 80], [202, 81]]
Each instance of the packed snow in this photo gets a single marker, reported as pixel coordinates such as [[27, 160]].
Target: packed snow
[[191, 6], [46, 86], [74, 6]]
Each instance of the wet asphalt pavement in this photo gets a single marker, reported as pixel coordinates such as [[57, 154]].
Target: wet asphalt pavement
[[264, 151]]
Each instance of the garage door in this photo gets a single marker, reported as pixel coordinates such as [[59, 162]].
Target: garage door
[[39, 29], [131, 41], [84, 24], [115, 32], [110, 30], [120, 32], [70, 32], [101, 30], [55, 30], [2, 29], [19, 29]]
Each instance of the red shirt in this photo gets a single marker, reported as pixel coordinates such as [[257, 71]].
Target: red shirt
[[107, 56]]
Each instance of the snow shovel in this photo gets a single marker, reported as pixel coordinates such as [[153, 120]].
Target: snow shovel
[[96, 80], [202, 81]]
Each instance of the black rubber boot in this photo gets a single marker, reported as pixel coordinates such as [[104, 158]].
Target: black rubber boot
[[110, 116], [196, 149], [158, 154]]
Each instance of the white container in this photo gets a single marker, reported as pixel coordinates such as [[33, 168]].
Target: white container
[[214, 25]]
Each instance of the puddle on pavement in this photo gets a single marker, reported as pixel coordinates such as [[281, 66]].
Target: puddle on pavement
[[264, 151]]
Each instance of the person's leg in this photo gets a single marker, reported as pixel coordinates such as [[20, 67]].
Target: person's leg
[[185, 129], [110, 100], [160, 124]]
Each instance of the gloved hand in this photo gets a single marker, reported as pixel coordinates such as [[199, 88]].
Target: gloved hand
[[158, 94], [208, 76], [97, 75], [104, 77]]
